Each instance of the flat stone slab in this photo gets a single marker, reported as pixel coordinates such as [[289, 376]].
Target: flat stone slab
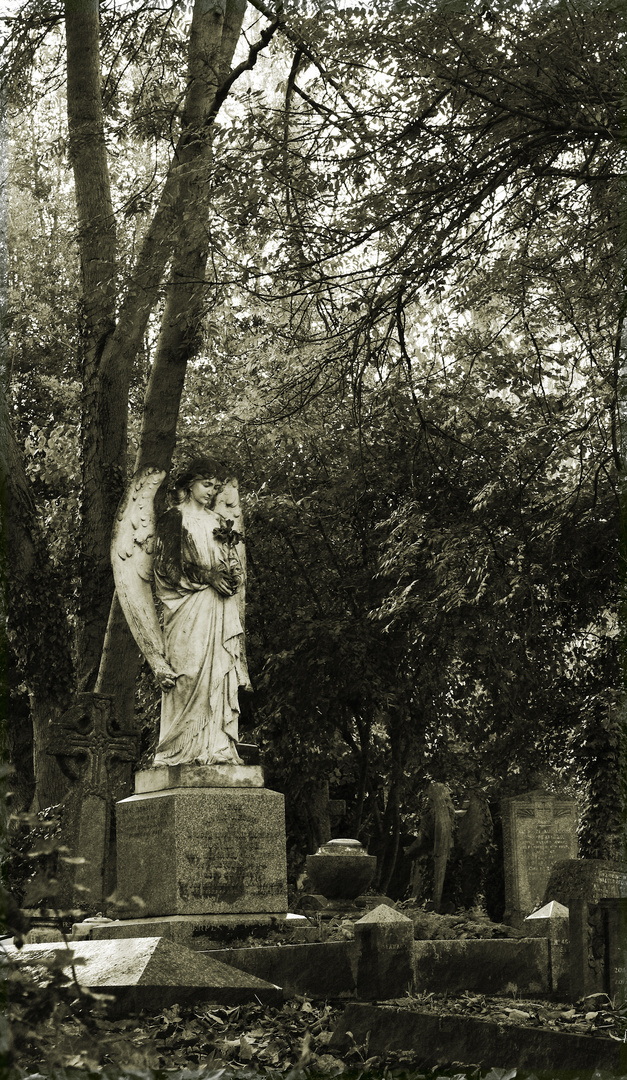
[[169, 777], [150, 973], [192, 931], [437, 1039]]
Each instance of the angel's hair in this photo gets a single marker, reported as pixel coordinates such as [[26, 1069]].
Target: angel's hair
[[200, 468]]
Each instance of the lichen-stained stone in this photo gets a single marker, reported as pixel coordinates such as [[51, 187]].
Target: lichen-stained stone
[[166, 777], [191, 851], [148, 972]]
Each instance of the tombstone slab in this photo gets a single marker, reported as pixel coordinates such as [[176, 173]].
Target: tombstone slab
[[193, 931], [195, 851], [539, 830], [149, 973]]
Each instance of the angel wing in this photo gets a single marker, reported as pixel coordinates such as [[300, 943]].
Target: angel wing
[[132, 557], [228, 506]]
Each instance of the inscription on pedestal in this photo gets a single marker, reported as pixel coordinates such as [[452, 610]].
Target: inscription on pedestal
[[201, 851], [538, 831]]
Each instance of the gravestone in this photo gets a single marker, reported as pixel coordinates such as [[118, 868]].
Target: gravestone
[[97, 756], [598, 947], [586, 879], [148, 973], [191, 846], [539, 830]]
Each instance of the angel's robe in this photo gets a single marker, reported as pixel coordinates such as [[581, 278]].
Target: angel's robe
[[203, 638]]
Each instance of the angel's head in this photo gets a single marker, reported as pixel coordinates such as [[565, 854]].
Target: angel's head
[[201, 481]]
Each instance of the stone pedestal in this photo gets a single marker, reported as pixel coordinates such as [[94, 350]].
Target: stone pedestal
[[187, 849], [384, 940], [539, 830]]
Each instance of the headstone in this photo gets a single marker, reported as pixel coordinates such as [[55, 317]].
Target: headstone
[[384, 945], [598, 948], [587, 879], [98, 758], [539, 829], [613, 913], [149, 973], [193, 850]]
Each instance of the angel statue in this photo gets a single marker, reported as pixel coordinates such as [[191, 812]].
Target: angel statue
[[195, 554]]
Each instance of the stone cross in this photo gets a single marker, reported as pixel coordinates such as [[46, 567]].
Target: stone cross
[[97, 757]]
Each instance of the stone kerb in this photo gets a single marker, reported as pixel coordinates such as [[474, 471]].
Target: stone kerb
[[383, 954], [552, 923]]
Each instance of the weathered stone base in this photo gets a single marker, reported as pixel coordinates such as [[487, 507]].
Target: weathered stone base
[[168, 777], [200, 851]]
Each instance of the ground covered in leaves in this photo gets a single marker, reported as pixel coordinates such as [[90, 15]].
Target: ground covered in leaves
[[211, 1041]]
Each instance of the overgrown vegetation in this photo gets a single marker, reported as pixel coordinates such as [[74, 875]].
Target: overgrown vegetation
[[388, 289]]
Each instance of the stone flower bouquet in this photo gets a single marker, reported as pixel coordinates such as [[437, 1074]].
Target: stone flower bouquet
[[229, 537]]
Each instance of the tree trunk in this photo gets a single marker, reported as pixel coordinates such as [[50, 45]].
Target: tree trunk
[[213, 37], [104, 405]]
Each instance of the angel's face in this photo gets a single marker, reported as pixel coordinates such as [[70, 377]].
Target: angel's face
[[203, 492]]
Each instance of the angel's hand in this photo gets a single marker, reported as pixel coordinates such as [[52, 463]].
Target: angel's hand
[[221, 581], [165, 676]]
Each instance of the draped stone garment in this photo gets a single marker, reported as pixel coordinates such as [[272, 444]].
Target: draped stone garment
[[203, 641]]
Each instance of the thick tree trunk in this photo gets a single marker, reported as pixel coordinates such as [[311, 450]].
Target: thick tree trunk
[[104, 402], [213, 37]]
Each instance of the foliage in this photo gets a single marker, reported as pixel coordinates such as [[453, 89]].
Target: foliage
[[412, 325], [601, 755]]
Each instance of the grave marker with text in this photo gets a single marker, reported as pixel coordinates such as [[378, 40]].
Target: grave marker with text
[[539, 830]]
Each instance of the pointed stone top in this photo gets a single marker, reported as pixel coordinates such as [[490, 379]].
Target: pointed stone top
[[148, 962], [553, 910], [383, 915]]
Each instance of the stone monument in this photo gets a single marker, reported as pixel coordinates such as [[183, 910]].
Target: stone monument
[[97, 756], [201, 841], [539, 830]]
